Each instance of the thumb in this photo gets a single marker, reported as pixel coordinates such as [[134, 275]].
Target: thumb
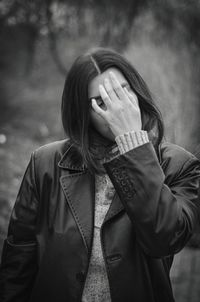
[[96, 108]]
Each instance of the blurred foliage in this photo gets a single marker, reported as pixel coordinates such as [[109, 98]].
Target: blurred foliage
[[110, 20], [53, 16], [181, 15]]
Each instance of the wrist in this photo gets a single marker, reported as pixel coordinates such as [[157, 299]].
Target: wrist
[[131, 140]]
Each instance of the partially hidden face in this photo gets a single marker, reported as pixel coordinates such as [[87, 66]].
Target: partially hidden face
[[93, 92]]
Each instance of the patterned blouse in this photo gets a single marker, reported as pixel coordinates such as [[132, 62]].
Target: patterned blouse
[[96, 288]]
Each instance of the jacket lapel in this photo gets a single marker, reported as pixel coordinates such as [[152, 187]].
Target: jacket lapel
[[79, 192], [79, 188], [115, 208]]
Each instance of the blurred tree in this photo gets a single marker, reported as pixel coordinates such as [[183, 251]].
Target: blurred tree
[[184, 16], [112, 21]]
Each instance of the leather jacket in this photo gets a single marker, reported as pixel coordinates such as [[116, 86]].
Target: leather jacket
[[152, 216]]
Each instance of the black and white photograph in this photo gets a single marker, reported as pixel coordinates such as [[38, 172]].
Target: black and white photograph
[[99, 151]]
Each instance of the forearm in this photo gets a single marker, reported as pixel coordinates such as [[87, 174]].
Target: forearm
[[163, 219]]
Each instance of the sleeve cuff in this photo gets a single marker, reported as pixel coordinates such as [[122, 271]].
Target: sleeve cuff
[[130, 140]]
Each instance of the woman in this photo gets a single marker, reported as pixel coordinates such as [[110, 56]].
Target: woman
[[99, 215]]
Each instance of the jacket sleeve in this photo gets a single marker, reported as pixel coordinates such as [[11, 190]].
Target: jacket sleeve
[[18, 261], [163, 215]]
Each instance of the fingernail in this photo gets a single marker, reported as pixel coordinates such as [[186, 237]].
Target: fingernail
[[112, 74]]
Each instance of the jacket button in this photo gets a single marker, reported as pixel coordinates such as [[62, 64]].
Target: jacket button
[[80, 276]]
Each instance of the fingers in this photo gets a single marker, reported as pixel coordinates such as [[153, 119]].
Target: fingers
[[110, 90], [117, 86], [105, 96], [132, 96]]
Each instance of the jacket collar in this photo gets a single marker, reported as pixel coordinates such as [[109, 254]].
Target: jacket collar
[[71, 159]]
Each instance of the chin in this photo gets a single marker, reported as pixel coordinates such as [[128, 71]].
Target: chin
[[110, 138], [106, 137]]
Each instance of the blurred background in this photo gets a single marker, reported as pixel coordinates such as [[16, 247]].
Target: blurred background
[[39, 40]]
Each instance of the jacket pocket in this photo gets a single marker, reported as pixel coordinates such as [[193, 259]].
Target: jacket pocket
[[18, 270], [20, 244]]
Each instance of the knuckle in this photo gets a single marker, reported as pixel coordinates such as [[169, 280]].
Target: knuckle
[[132, 97], [109, 89], [106, 98], [118, 88]]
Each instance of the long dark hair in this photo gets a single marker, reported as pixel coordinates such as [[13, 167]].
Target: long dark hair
[[76, 107]]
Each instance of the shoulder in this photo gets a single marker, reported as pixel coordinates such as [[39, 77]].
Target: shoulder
[[53, 148], [176, 159], [49, 154], [175, 152]]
